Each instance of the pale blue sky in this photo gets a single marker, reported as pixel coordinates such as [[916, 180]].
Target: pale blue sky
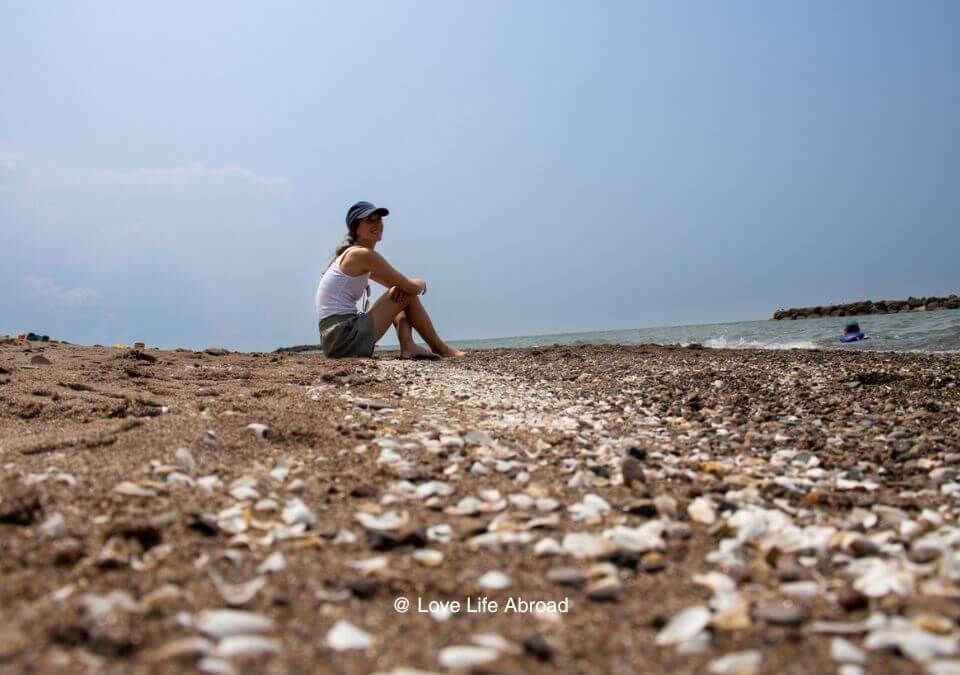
[[178, 172]]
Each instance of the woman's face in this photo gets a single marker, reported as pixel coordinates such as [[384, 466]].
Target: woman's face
[[370, 228]]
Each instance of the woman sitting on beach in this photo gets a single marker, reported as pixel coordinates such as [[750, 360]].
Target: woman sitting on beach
[[346, 332]]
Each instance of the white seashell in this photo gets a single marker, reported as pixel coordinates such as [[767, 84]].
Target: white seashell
[[54, 527], [101, 607], [186, 460], [237, 595], [585, 545], [177, 478], [737, 663], [701, 511], [244, 492], [441, 533], [279, 474], [246, 645], [133, 490], [647, 537], [434, 487], [388, 456], [209, 483], [221, 623], [428, 557], [345, 537], [391, 520], [494, 580], [261, 430], [911, 641], [845, 651], [371, 564], [716, 582], [266, 504], [215, 666], [467, 656], [684, 626], [344, 635], [296, 485], [297, 512], [275, 562], [546, 547], [547, 504]]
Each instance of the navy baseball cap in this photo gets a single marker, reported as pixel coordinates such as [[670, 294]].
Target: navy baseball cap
[[361, 210]]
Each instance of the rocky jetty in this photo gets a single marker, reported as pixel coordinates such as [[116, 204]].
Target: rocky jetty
[[911, 304], [592, 509]]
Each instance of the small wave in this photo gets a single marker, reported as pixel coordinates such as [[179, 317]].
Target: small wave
[[743, 343]]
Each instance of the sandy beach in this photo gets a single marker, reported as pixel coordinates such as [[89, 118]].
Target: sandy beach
[[665, 509]]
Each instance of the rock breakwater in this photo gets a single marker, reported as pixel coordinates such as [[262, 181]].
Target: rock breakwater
[[911, 304]]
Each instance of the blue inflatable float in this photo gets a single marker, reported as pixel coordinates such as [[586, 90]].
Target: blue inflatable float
[[852, 333]]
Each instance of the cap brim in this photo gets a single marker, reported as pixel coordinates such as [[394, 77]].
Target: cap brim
[[380, 212]]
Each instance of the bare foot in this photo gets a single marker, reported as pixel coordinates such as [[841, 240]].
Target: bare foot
[[451, 353], [415, 352]]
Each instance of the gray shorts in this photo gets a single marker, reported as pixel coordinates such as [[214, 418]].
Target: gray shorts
[[347, 335]]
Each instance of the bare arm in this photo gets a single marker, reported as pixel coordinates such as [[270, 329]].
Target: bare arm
[[363, 260]]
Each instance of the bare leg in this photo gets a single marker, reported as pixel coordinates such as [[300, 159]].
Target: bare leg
[[408, 348], [384, 312], [417, 316]]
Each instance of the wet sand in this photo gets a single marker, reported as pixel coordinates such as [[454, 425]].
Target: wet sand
[[700, 511]]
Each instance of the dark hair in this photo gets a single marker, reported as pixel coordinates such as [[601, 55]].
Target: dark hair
[[348, 241]]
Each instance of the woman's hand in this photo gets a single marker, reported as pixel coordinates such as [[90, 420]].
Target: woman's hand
[[397, 295]]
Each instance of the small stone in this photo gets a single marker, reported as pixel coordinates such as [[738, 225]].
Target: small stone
[[216, 351], [186, 460], [851, 599], [641, 507], [666, 506], [862, 548], [259, 430], [40, 360], [362, 588], [632, 471], [536, 645], [738, 663], [923, 555], [567, 576], [780, 613], [653, 562], [54, 527], [605, 590]]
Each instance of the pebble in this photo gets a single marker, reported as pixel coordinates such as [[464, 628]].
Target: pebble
[[536, 645], [494, 580], [467, 656], [221, 623], [566, 576], [684, 626], [701, 510], [54, 527], [845, 651], [737, 663], [247, 645], [632, 471], [780, 613], [345, 636]]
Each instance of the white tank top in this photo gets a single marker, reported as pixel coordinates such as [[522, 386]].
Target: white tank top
[[339, 293]]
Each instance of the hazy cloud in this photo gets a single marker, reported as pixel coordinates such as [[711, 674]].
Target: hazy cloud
[[47, 288]]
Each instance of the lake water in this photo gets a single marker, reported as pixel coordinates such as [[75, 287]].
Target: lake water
[[915, 331]]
